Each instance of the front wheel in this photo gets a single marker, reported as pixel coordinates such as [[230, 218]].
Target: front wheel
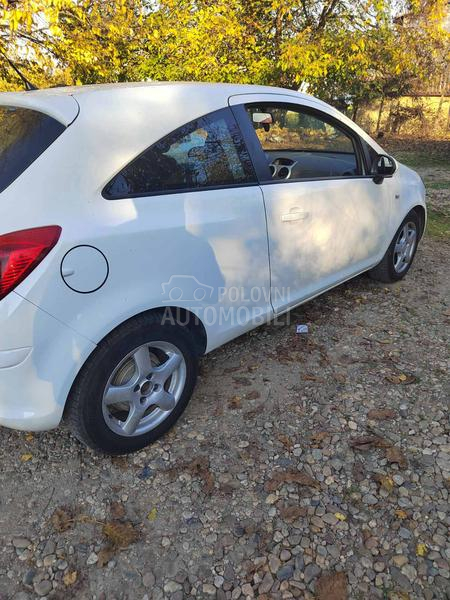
[[134, 387], [400, 254]]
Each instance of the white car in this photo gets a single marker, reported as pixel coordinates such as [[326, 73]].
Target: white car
[[144, 225]]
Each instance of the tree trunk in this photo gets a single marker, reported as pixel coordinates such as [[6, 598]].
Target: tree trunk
[[380, 112]]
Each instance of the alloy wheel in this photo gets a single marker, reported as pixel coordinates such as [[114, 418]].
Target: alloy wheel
[[405, 246], [144, 388]]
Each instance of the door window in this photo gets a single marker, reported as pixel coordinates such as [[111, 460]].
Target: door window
[[301, 144], [208, 152]]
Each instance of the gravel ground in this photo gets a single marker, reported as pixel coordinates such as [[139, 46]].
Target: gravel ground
[[306, 466]]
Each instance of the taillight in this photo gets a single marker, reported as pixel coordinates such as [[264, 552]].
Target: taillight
[[21, 252]]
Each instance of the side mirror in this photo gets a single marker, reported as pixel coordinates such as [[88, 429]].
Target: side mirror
[[264, 119], [382, 166]]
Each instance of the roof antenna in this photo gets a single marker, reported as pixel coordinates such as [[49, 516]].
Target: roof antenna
[[28, 85]]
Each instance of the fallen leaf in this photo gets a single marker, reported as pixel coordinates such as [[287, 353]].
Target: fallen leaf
[[394, 455], [235, 402], [245, 381], [62, 519], [401, 379], [152, 514], [401, 514], [105, 555], [117, 510], [318, 439], [29, 437], [120, 534], [70, 578], [26, 457], [384, 481], [121, 462], [331, 586], [367, 442], [340, 377], [200, 468], [308, 377], [286, 441], [299, 477], [381, 414], [340, 516], [292, 513], [421, 549], [398, 595]]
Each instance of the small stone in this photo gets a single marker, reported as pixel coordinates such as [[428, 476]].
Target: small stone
[[311, 571], [285, 555], [400, 579], [274, 563], [285, 573], [43, 587], [399, 560], [369, 499], [207, 588], [271, 499], [173, 586], [247, 590], [21, 543], [317, 522], [330, 519], [49, 548], [236, 593], [28, 577], [266, 584], [92, 559], [410, 572], [404, 533], [148, 579], [49, 560], [378, 566]]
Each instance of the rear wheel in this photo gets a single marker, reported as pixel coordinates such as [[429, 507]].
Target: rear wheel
[[134, 387], [400, 254]]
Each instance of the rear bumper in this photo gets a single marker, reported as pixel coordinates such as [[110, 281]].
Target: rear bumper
[[39, 360]]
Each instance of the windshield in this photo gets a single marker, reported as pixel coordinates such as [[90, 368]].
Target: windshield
[[24, 135]]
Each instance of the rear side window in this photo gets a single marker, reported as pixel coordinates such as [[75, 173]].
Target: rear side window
[[207, 152], [24, 135]]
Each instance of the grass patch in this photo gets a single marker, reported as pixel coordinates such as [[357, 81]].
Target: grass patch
[[438, 225], [437, 185], [417, 159]]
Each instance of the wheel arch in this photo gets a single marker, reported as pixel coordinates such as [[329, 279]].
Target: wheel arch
[[174, 314], [422, 214]]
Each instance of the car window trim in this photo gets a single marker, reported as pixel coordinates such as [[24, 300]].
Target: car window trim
[[182, 190], [259, 159], [254, 175]]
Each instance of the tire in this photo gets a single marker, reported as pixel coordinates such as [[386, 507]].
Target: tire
[[114, 385], [386, 270]]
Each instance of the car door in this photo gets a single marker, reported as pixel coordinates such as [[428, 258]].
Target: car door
[[200, 231], [327, 220]]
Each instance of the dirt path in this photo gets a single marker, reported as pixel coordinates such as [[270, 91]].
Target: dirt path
[[263, 486]]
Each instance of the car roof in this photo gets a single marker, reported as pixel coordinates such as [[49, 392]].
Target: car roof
[[228, 88], [62, 102]]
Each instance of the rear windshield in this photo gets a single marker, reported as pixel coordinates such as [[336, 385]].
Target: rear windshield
[[24, 135]]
